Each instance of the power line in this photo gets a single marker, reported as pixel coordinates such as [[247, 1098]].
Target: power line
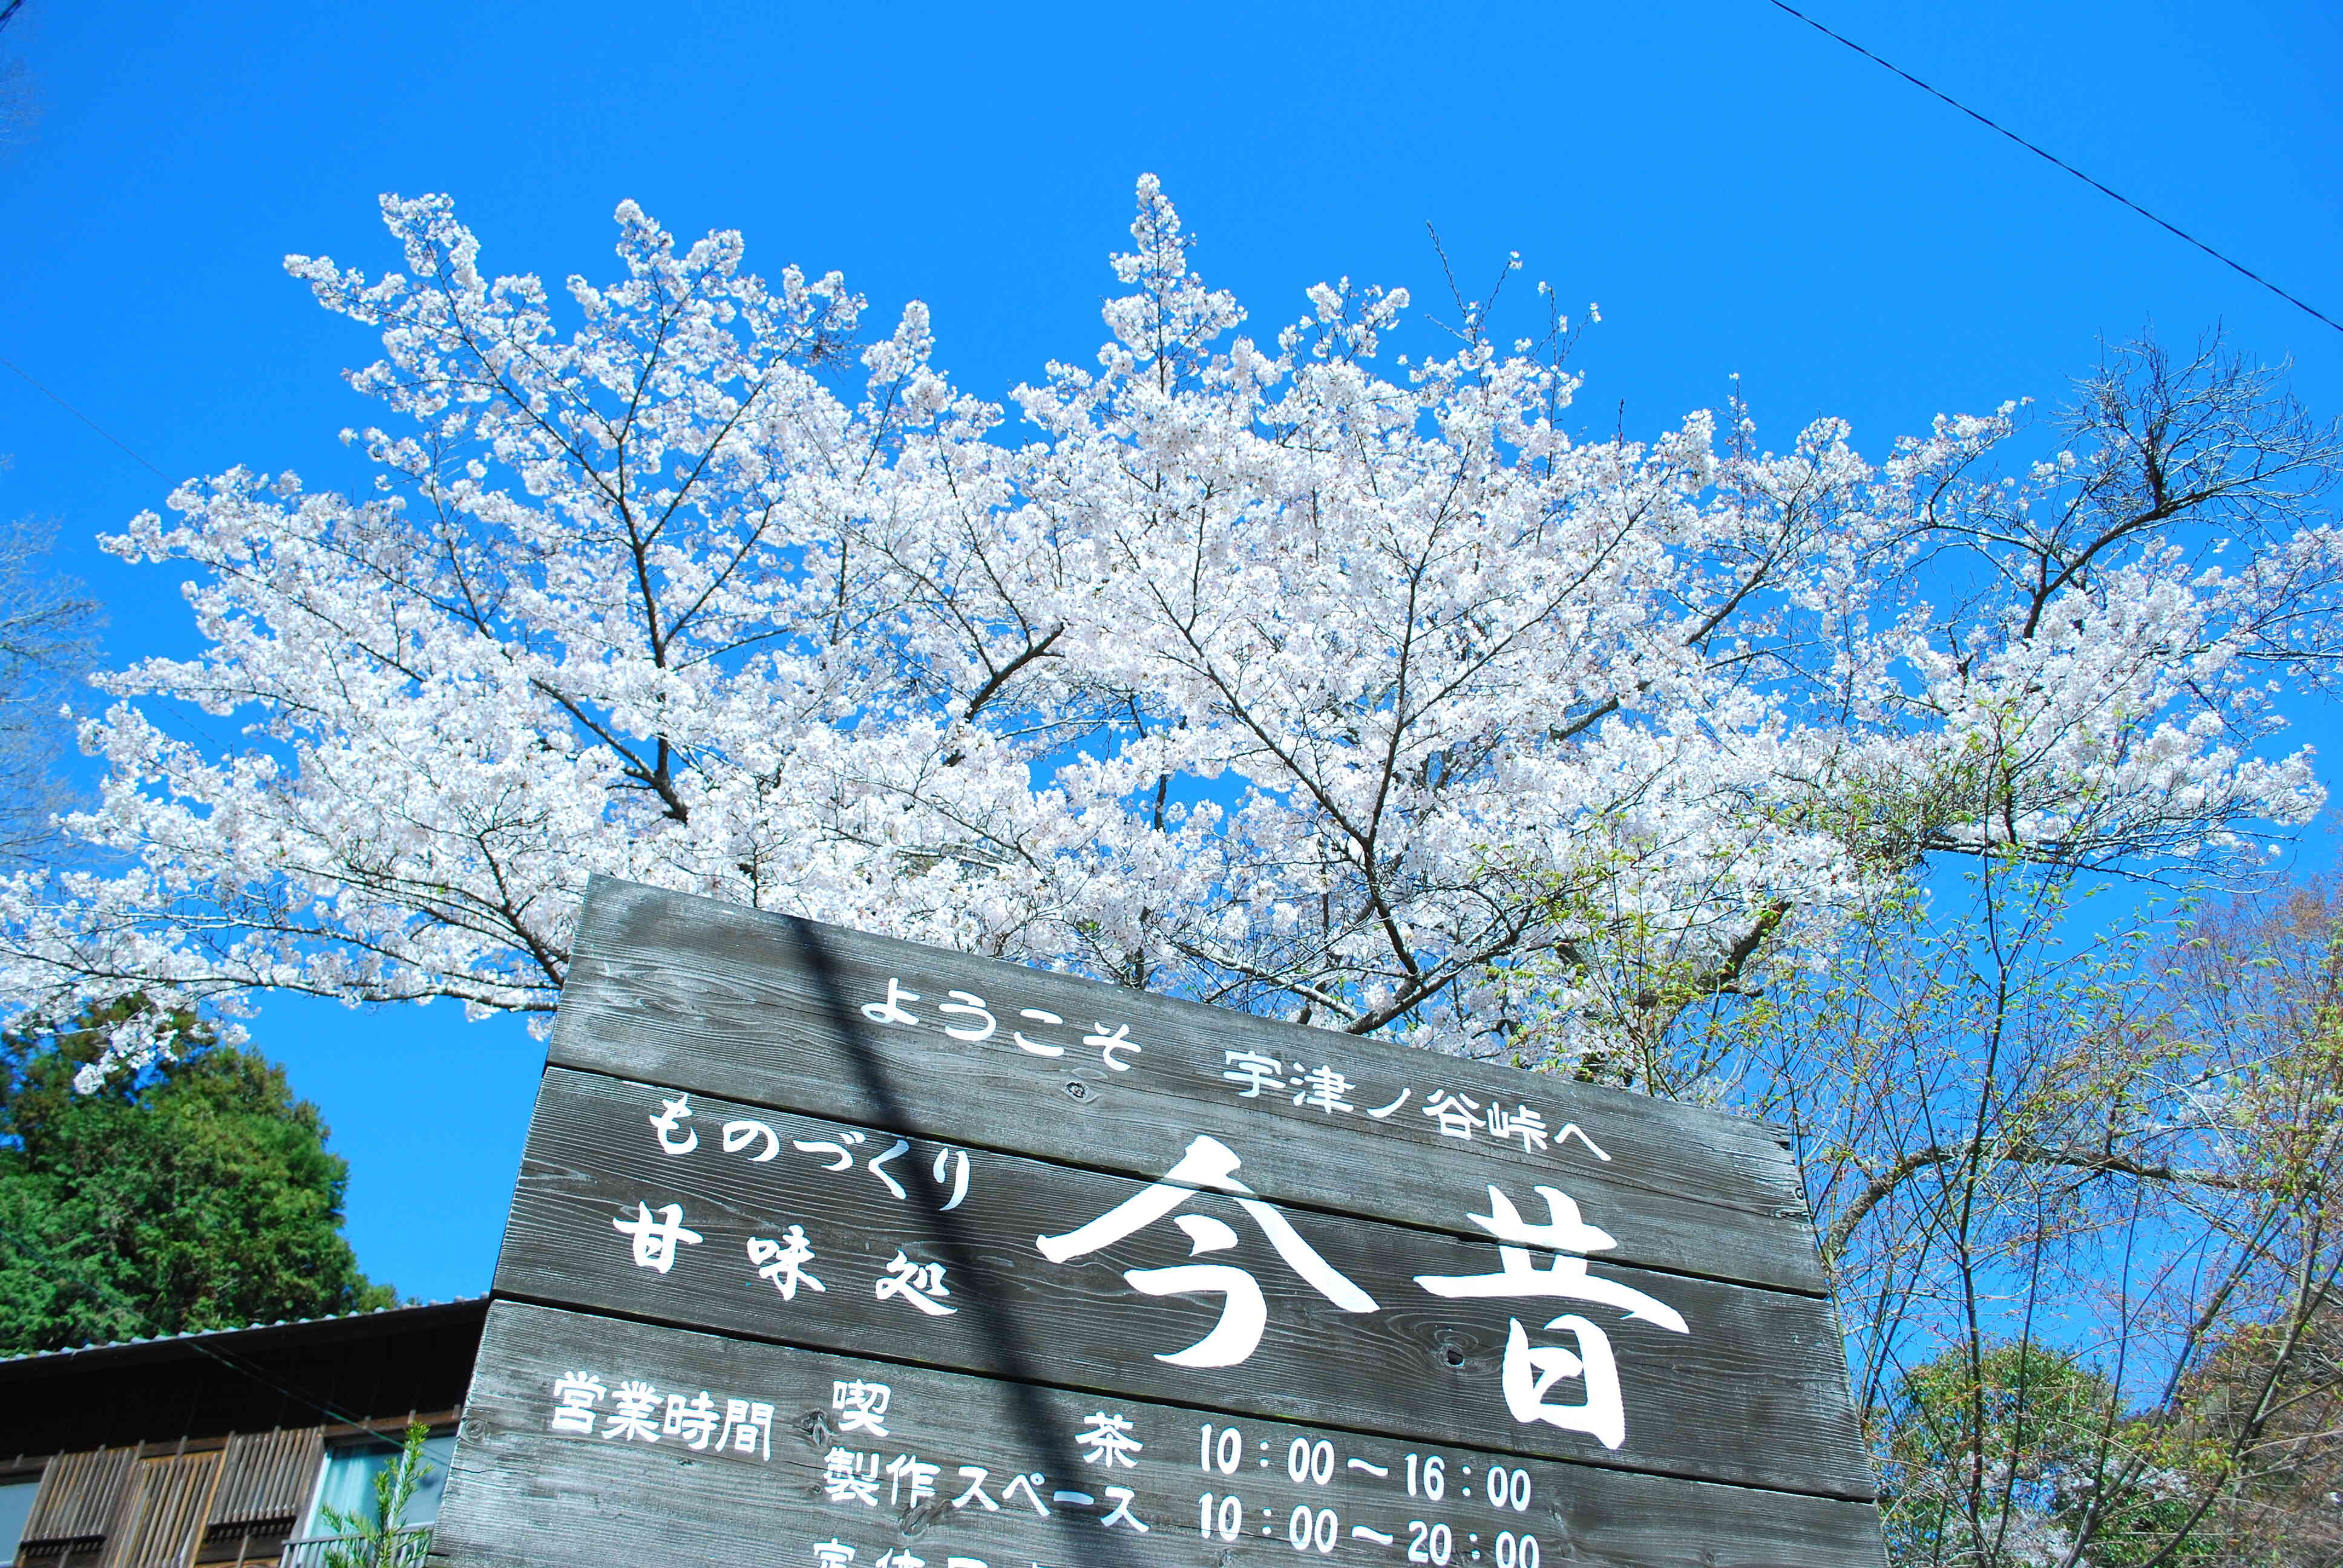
[[121, 1301], [78, 414], [2052, 157]]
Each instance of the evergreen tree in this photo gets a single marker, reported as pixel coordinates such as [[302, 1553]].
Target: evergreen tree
[[195, 1193]]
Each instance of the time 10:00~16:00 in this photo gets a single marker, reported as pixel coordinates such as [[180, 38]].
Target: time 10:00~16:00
[[1311, 1463]]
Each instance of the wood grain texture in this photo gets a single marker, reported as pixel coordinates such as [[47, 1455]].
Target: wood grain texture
[[1755, 1393], [523, 1496], [266, 1475], [81, 1494], [164, 1518], [712, 997]]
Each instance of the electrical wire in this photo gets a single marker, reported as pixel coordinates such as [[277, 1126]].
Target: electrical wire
[[195, 1340], [82, 418], [2048, 157]]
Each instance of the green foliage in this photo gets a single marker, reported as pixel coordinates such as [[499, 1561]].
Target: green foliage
[[2013, 1456], [197, 1193], [377, 1541]]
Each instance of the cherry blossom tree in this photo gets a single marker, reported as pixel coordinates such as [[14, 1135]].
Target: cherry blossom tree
[[46, 630], [1264, 668]]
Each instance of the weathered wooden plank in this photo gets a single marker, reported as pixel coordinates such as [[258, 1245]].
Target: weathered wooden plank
[[81, 1495], [714, 998], [1753, 1392], [523, 1496], [268, 1475]]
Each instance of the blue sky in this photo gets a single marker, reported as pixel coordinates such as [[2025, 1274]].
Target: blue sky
[[1738, 193]]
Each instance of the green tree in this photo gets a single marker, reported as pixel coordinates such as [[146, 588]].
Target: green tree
[[2016, 1456], [2263, 1414], [195, 1193], [382, 1538]]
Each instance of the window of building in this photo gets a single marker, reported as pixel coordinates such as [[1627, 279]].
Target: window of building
[[16, 1492], [346, 1482]]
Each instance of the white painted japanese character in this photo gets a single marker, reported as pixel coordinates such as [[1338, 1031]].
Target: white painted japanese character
[[1106, 1440], [693, 1421], [1254, 1072], [655, 1239], [944, 1158], [1385, 1113], [1109, 1044], [900, 1558], [1530, 1371], [1121, 1497], [738, 1135], [1036, 1047], [1571, 1131], [851, 1477], [976, 1493], [785, 1265], [637, 1402], [879, 1167], [1520, 1122], [891, 1010], [1456, 1113], [672, 1115], [1566, 1276], [845, 1158], [748, 1428], [832, 1553], [967, 1004], [909, 1480], [915, 1283], [1325, 1089], [1026, 1485], [1245, 1312], [575, 1395], [1208, 1163], [862, 1406], [970, 1563]]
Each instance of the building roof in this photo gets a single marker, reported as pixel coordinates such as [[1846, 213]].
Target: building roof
[[397, 1318], [355, 1368]]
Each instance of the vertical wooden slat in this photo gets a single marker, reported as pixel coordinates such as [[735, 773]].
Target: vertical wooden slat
[[266, 1475], [80, 1494], [164, 1519]]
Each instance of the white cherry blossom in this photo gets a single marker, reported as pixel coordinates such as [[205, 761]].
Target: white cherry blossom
[[1230, 664]]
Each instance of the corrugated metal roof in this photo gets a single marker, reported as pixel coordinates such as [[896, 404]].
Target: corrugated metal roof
[[245, 1329]]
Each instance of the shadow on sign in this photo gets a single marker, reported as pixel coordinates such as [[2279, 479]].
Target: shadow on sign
[[1016, 1364]]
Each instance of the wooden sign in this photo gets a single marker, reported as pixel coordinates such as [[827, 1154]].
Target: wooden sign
[[840, 1253]]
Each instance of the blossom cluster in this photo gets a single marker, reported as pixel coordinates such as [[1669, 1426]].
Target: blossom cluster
[[1229, 664]]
